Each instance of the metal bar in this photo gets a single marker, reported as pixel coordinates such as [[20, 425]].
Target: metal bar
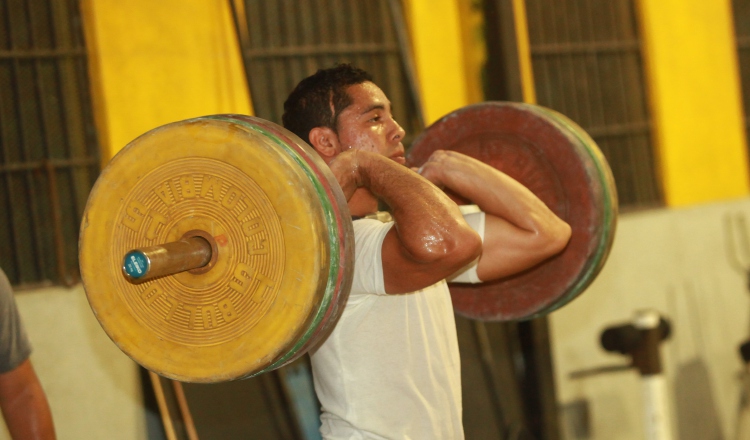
[[544, 87], [391, 67], [4, 29], [289, 398], [595, 96], [568, 64], [639, 180], [261, 70], [360, 32], [34, 54], [45, 92], [22, 103], [624, 129], [240, 23], [615, 110], [309, 34], [39, 138], [274, 42], [12, 268], [406, 57], [353, 26], [325, 26], [539, 377], [73, 84], [248, 36], [558, 86], [62, 265], [294, 66], [322, 50], [503, 68], [166, 418], [593, 47], [147, 263], [54, 163], [182, 404], [580, 74], [273, 396], [339, 26], [505, 413], [649, 188]]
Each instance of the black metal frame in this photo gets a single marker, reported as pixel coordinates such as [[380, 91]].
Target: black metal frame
[[587, 63], [741, 12], [49, 157], [283, 41]]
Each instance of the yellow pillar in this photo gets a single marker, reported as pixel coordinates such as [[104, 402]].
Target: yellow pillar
[[155, 62], [436, 41], [691, 68], [473, 47]]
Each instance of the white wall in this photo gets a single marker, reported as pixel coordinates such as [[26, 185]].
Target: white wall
[[93, 388], [679, 263], [676, 261]]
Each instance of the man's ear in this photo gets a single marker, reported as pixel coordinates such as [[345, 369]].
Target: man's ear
[[325, 141]]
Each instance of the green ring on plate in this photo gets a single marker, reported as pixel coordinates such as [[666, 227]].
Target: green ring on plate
[[333, 235], [609, 201]]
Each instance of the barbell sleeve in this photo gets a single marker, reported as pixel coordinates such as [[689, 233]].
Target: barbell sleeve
[[146, 263]]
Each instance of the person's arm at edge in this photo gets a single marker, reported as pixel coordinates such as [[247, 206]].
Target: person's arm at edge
[[430, 239], [24, 404], [520, 230]]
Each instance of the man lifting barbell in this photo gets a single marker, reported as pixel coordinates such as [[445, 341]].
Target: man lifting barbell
[[390, 367], [221, 247]]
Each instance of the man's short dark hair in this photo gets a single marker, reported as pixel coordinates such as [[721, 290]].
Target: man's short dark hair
[[318, 100]]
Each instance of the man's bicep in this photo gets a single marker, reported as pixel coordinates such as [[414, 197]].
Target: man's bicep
[[403, 273]]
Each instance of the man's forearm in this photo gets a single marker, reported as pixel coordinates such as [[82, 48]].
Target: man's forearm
[[429, 224], [520, 230], [494, 192], [24, 405]]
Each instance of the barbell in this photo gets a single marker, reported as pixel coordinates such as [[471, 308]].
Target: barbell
[[221, 247]]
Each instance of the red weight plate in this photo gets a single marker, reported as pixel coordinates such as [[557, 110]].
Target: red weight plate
[[553, 157]]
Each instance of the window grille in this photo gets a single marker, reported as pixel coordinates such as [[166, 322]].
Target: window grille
[[741, 9], [586, 57], [284, 41], [48, 149]]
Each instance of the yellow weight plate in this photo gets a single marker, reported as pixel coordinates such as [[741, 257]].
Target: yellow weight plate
[[262, 209]]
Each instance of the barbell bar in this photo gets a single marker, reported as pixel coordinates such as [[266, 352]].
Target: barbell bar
[[221, 247]]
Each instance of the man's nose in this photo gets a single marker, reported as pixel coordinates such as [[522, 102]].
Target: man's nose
[[398, 131]]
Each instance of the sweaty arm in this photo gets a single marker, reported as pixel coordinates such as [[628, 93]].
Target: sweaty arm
[[520, 230], [22, 400], [24, 404], [429, 240]]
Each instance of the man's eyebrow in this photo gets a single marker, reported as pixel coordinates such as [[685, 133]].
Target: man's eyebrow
[[373, 107]]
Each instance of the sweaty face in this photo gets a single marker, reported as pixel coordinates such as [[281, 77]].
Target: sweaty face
[[367, 124]]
